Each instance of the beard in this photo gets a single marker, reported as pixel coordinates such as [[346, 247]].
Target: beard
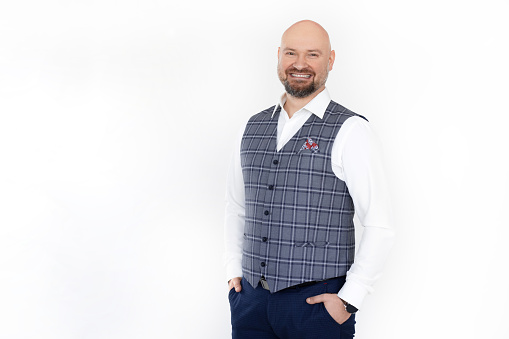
[[299, 92], [299, 89]]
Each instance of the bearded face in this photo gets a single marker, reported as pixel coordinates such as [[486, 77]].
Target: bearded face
[[301, 83]]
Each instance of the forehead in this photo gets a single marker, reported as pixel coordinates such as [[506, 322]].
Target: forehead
[[305, 40]]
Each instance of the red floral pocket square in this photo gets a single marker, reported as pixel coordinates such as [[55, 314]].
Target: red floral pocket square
[[309, 144]]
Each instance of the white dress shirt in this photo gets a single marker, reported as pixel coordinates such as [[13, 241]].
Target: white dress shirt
[[356, 159]]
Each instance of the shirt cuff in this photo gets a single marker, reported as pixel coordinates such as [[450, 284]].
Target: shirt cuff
[[233, 270], [353, 293]]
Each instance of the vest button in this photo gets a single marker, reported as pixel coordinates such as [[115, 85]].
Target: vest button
[[275, 162], [271, 187], [262, 264], [266, 212], [264, 239]]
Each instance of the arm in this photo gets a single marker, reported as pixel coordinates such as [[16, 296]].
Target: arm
[[357, 160], [234, 219]]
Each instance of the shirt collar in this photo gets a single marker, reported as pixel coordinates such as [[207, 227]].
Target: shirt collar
[[317, 106]]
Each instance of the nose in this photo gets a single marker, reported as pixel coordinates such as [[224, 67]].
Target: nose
[[300, 63]]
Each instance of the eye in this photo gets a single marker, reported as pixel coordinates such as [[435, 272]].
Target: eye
[[314, 55], [290, 53]]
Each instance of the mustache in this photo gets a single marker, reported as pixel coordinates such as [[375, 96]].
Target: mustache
[[301, 71]]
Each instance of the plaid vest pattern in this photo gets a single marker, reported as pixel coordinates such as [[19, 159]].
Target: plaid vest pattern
[[299, 215]]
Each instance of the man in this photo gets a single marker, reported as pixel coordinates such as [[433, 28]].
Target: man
[[297, 172]]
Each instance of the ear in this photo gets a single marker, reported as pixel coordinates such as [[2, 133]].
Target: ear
[[278, 50], [332, 57]]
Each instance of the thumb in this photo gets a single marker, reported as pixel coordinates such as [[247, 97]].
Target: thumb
[[316, 299]]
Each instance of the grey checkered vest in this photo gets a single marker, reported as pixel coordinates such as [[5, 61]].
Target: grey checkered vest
[[299, 215]]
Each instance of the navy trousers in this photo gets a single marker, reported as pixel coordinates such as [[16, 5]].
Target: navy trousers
[[258, 314]]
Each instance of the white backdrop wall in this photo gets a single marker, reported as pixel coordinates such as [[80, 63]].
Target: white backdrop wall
[[116, 125]]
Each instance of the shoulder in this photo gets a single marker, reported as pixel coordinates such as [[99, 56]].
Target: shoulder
[[266, 113], [357, 134], [355, 128], [340, 113], [257, 120]]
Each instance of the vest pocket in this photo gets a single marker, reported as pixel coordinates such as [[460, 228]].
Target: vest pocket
[[312, 244]]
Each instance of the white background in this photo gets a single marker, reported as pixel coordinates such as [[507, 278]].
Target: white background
[[116, 127]]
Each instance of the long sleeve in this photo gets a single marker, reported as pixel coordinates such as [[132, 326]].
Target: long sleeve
[[235, 213], [357, 160]]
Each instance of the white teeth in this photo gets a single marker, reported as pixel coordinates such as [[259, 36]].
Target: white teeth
[[301, 75]]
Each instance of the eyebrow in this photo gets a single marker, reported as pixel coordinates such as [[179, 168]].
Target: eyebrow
[[309, 50]]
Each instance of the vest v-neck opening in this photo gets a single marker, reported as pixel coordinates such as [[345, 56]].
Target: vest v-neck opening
[[295, 137]]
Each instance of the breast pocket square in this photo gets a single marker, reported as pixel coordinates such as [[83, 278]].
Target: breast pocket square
[[310, 144]]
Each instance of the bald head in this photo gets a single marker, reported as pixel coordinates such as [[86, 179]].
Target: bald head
[[306, 34], [304, 59]]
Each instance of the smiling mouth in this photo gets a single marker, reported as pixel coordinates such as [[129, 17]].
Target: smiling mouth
[[300, 76]]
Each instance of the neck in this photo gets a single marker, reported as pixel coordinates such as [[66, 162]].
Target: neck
[[294, 104]]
